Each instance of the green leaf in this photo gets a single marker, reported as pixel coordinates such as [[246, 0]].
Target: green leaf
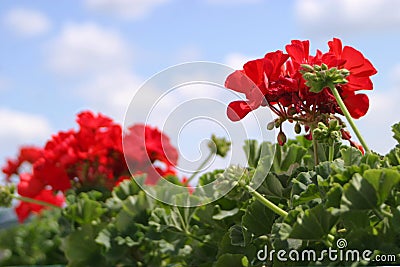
[[84, 210], [359, 194], [293, 155], [313, 224], [209, 177], [81, 248], [237, 236], [351, 156], [252, 152], [394, 156], [396, 132], [222, 214], [236, 260], [258, 219], [383, 181]]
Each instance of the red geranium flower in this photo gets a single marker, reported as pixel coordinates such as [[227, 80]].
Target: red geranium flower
[[91, 157]]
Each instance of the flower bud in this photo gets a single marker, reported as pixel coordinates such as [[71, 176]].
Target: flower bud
[[291, 111], [281, 138], [317, 68], [6, 195], [297, 128], [307, 67], [271, 125], [345, 72], [219, 146]]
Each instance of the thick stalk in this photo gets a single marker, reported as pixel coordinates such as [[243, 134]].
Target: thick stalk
[[266, 202], [349, 118], [331, 152], [35, 201], [315, 146]]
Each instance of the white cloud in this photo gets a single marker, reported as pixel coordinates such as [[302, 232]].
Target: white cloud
[[237, 60], [332, 17], [382, 114], [110, 92], [26, 22], [87, 48], [19, 128], [126, 9]]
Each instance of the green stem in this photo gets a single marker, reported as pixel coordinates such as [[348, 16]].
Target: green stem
[[200, 167], [265, 201], [378, 214], [349, 118], [331, 152], [315, 146], [35, 201]]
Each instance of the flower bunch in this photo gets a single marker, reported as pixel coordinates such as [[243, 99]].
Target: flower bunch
[[89, 158], [297, 86]]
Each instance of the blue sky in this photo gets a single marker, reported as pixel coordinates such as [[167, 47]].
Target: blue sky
[[61, 57]]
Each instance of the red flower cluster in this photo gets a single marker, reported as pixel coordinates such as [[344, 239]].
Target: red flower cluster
[[276, 80], [91, 157]]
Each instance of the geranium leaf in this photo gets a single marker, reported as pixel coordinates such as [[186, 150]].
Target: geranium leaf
[[351, 156], [237, 236], [313, 224], [232, 260], [258, 219], [383, 181], [396, 132], [359, 194], [222, 214]]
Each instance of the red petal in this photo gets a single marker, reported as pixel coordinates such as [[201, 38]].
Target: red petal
[[237, 110], [335, 46], [354, 58], [255, 70], [357, 105]]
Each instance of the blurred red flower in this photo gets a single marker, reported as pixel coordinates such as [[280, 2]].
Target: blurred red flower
[[90, 157]]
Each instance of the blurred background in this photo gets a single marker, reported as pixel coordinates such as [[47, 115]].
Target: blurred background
[[58, 58]]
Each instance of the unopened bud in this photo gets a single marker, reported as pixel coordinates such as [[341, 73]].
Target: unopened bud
[[281, 138], [291, 111], [6, 195], [271, 125], [297, 128], [307, 67], [317, 68], [345, 72]]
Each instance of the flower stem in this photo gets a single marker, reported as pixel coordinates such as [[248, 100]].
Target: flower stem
[[265, 201], [35, 201], [331, 152], [349, 118], [315, 146], [200, 167]]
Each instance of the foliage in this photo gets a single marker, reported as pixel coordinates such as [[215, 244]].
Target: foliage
[[354, 198]]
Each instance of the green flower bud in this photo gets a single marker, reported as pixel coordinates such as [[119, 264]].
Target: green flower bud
[[6, 195], [307, 68], [219, 146], [271, 125]]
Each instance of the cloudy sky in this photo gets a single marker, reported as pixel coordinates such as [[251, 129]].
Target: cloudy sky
[[62, 57]]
